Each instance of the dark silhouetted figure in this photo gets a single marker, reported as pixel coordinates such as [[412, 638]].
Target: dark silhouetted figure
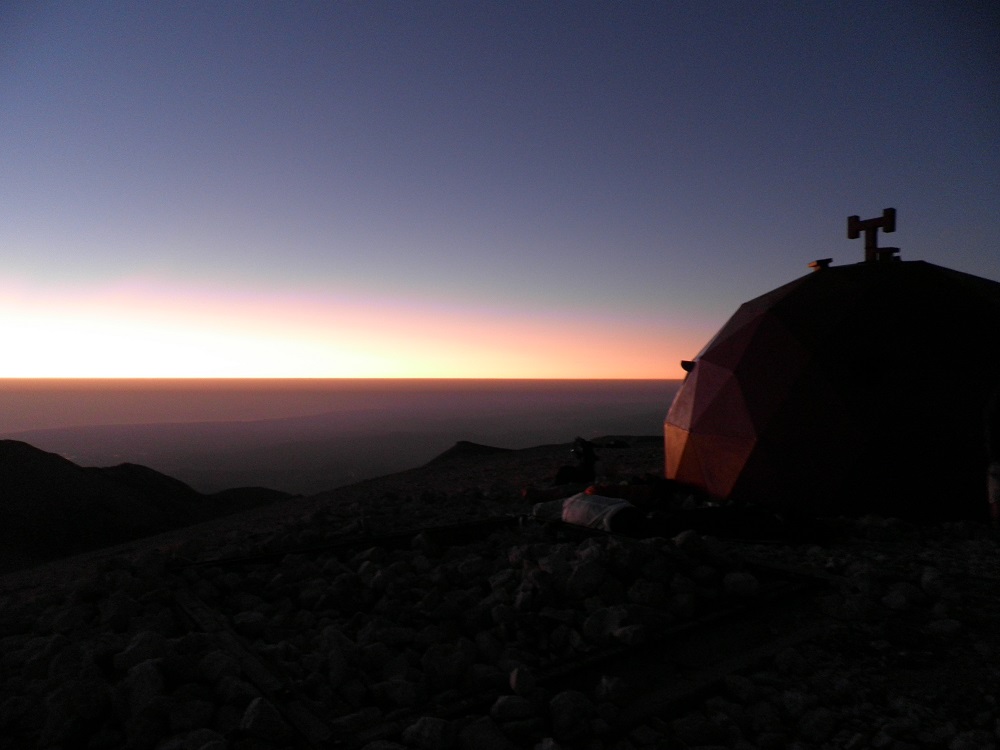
[[586, 458], [993, 455]]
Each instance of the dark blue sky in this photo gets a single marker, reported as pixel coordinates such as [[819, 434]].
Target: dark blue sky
[[467, 189]]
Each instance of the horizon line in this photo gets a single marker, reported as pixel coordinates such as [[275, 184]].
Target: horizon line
[[308, 377]]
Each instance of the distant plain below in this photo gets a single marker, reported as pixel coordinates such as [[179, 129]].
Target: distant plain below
[[308, 436]]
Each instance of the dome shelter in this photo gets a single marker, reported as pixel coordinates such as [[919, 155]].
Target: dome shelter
[[854, 389]]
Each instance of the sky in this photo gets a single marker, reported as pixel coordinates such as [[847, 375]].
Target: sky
[[466, 189]]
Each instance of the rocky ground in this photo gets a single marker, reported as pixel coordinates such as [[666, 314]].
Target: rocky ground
[[307, 624]]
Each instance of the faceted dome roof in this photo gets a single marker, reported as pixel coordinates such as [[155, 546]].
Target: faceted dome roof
[[856, 388]]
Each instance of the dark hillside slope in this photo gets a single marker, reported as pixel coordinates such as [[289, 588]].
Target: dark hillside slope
[[50, 507]]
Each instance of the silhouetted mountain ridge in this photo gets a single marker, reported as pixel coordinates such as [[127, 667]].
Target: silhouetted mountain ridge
[[465, 449], [51, 507]]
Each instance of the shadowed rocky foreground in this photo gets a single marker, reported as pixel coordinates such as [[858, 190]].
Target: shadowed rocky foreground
[[324, 622]]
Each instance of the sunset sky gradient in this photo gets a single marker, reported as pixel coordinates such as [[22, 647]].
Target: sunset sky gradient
[[466, 189]]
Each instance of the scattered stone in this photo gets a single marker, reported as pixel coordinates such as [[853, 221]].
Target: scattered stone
[[218, 664], [741, 688], [250, 624], [647, 593], [482, 677], [646, 735], [511, 708], [690, 542], [204, 739], [398, 692], [522, 681], [117, 611], [631, 635], [612, 689], [600, 625], [794, 703], [816, 725], [586, 579], [70, 709], [144, 645], [944, 627], [395, 635], [790, 661], [483, 734], [764, 717], [430, 733], [773, 741], [445, 663], [571, 712], [73, 618], [975, 739], [695, 729], [932, 582], [740, 583], [232, 691], [142, 685], [902, 596], [186, 715], [262, 719]]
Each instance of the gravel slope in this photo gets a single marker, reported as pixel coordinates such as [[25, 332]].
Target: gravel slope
[[896, 647]]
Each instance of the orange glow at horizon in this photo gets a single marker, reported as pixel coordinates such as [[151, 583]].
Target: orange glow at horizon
[[141, 331]]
